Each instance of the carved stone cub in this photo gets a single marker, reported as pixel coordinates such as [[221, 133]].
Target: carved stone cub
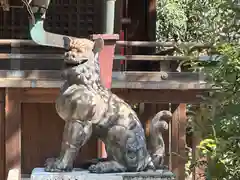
[[88, 109]]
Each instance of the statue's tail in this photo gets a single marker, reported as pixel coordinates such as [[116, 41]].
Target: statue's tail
[[156, 145]]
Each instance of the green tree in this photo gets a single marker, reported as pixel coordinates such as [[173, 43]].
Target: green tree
[[218, 118]]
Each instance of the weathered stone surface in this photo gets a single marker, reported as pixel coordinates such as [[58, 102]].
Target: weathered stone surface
[[90, 109], [78, 174]]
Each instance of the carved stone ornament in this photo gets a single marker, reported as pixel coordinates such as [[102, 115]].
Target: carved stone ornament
[[90, 109]]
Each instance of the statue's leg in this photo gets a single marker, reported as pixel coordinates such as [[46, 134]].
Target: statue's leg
[[114, 145], [107, 167], [76, 134], [88, 163]]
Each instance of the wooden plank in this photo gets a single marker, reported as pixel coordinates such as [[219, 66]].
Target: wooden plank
[[161, 85], [123, 43], [40, 95], [6, 56], [154, 58], [21, 41], [38, 91], [195, 85], [151, 20], [45, 95], [31, 74], [13, 129], [174, 142], [2, 133], [129, 80], [134, 76], [33, 57], [160, 44], [160, 96], [29, 83], [119, 76], [179, 140], [182, 140]]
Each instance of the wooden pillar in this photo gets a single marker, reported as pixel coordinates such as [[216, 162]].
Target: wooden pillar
[[151, 19], [2, 133], [13, 129], [179, 140], [146, 116]]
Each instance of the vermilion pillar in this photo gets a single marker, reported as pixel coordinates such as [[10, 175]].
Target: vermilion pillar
[[106, 58]]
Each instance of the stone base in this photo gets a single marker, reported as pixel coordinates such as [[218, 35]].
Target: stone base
[[79, 174]]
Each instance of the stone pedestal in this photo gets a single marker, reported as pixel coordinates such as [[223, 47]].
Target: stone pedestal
[[78, 174]]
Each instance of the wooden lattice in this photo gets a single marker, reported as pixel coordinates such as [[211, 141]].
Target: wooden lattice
[[80, 18]]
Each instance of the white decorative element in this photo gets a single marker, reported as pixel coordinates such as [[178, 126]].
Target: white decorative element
[[14, 174]]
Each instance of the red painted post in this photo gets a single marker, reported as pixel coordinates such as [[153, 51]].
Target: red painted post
[[106, 57]]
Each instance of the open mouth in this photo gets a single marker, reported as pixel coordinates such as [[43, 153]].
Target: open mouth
[[73, 64]]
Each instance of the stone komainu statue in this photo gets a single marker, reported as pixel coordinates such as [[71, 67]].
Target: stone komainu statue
[[89, 109]]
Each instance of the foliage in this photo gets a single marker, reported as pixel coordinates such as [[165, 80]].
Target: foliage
[[225, 119], [202, 20], [217, 121]]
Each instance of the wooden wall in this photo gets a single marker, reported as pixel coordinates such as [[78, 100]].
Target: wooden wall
[[42, 135], [31, 131], [2, 133]]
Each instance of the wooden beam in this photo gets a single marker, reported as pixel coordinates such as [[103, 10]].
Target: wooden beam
[[122, 43], [160, 96], [33, 57], [39, 95], [2, 133], [139, 76], [13, 83], [152, 58], [128, 80], [161, 44], [151, 20], [179, 140], [21, 41], [7, 56], [48, 95], [13, 129], [119, 76]]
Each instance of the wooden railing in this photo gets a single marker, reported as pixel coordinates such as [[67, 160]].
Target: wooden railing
[[124, 79], [165, 86]]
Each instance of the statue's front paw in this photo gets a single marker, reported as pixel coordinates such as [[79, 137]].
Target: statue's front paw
[[107, 167], [97, 168], [55, 165]]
